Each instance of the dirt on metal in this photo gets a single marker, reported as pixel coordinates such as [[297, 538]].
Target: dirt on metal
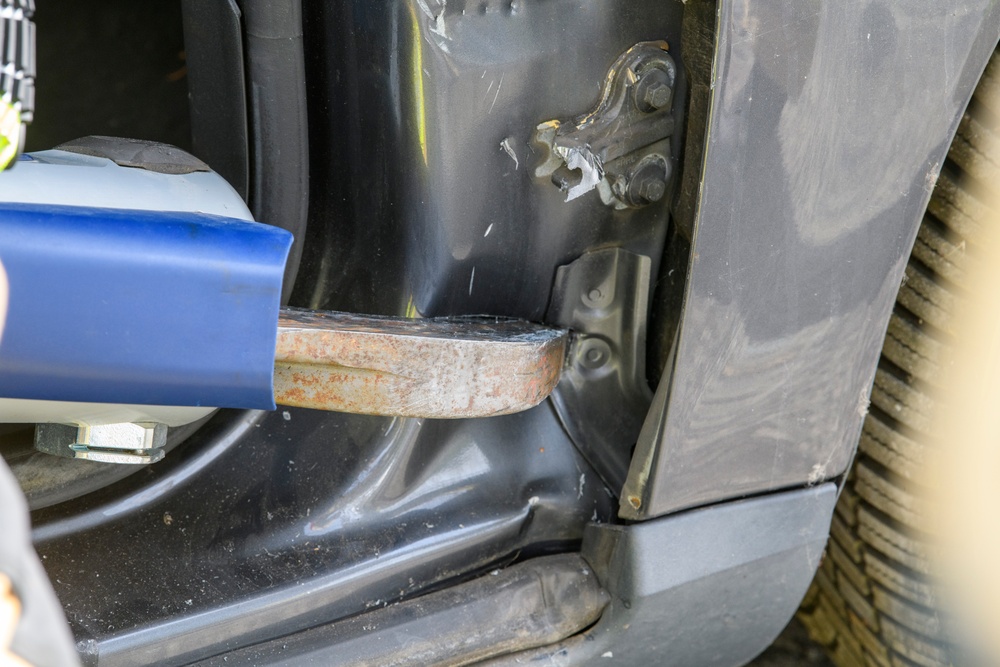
[[435, 368]]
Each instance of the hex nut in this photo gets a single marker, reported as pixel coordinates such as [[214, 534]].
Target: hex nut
[[123, 443], [124, 436], [120, 457]]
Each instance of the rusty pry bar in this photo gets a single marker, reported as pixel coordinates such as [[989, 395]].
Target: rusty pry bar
[[440, 368]]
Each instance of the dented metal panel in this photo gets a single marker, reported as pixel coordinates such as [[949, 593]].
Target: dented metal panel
[[443, 368]]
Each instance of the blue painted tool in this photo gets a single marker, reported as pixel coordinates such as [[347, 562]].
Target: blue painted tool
[[141, 307], [109, 304]]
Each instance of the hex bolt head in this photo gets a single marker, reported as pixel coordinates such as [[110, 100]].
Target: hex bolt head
[[648, 182], [657, 96], [652, 190], [653, 90]]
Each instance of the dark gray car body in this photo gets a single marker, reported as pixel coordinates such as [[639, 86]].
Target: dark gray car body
[[803, 174]]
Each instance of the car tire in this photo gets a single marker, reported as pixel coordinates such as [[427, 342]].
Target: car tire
[[874, 601]]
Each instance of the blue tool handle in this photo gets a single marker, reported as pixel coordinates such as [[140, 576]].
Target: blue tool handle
[[141, 307]]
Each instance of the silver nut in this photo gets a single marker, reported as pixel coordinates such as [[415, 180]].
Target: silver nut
[[121, 457], [139, 444], [139, 436]]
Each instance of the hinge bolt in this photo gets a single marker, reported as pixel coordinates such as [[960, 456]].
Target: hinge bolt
[[653, 90], [647, 184]]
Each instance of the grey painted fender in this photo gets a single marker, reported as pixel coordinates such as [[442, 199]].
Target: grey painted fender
[[829, 124], [711, 587]]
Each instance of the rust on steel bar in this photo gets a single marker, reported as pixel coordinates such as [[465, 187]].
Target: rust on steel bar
[[440, 368]]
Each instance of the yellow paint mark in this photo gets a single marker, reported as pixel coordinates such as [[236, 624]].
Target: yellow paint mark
[[411, 309], [10, 132], [417, 58]]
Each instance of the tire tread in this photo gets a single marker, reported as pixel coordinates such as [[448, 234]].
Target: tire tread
[[873, 602]]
